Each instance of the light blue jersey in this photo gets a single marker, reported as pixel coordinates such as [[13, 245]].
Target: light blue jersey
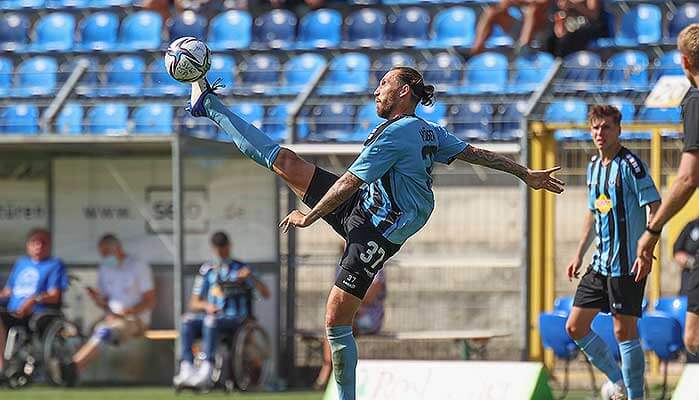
[[206, 286], [618, 193], [396, 163]]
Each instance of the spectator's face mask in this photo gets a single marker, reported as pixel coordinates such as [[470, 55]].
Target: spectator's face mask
[[110, 261]]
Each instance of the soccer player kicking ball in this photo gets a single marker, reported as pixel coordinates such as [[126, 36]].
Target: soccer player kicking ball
[[383, 199], [619, 190]]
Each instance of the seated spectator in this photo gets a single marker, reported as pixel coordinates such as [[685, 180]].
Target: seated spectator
[[36, 283], [126, 294], [368, 321], [576, 23], [211, 313]]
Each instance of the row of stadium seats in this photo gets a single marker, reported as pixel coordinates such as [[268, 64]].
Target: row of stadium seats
[[58, 4], [324, 28], [488, 73]]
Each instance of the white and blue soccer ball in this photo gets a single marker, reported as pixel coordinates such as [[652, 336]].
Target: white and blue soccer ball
[[187, 59]]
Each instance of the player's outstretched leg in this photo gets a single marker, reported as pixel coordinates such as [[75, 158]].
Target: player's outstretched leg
[[633, 362], [338, 324]]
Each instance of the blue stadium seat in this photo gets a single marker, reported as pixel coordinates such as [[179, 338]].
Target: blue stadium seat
[[555, 337], [230, 30], [508, 121], [581, 72], [189, 23], [260, 73], [70, 120], [99, 31], [661, 115], [563, 304], [686, 15], [274, 124], [153, 119], [675, 306], [455, 26], [111, 3], [603, 325], [366, 28], [366, 121], [54, 31], [186, 124], [22, 4], [437, 113], [570, 110], [641, 25], [107, 118], [67, 3], [14, 31], [320, 29], [223, 67], [298, 71], [472, 120], [396, 59], [5, 76], [661, 334], [332, 122], [348, 73], [669, 63], [626, 107], [275, 29], [443, 70], [21, 119], [36, 76], [626, 71], [160, 83], [88, 82], [124, 76], [141, 31], [499, 38], [409, 28], [530, 70], [485, 73]]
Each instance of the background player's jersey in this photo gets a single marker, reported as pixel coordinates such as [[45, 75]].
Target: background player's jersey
[[618, 193], [396, 164], [206, 286], [28, 278]]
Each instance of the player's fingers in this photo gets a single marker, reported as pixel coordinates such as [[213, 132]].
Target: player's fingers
[[553, 188], [557, 181], [554, 169]]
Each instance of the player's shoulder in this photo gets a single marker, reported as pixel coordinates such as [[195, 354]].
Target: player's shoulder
[[389, 128], [632, 162], [206, 268], [238, 264]]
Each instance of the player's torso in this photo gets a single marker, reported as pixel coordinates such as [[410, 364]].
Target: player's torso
[[215, 294], [30, 278]]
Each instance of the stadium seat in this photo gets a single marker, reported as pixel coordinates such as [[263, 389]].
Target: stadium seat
[[626, 71], [223, 67], [669, 63], [186, 124], [160, 83], [348, 73], [485, 73], [99, 31], [141, 30], [471, 121], [107, 118], [555, 337], [332, 122], [499, 38], [14, 31], [563, 304], [111, 3], [661, 333], [276, 127], [603, 325], [365, 28], [675, 306], [571, 111], [366, 121], [154, 118], [21, 119], [70, 120], [409, 28], [455, 26], [260, 73], [444, 71], [530, 70], [626, 107], [320, 29], [189, 23], [88, 82], [581, 72], [686, 15], [57, 4], [298, 71], [230, 30], [641, 25], [436, 113], [670, 115], [275, 29], [396, 59], [5, 76], [124, 76], [36, 76], [22, 4], [508, 121], [54, 31]]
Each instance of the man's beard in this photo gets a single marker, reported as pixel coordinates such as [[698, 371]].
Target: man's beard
[[386, 107]]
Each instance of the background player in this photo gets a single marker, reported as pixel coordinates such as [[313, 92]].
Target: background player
[[619, 189], [375, 221]]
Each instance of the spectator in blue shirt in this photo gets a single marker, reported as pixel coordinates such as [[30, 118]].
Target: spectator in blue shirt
[[36, 282]]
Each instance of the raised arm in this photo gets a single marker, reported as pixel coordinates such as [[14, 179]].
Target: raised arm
[[535, 179]]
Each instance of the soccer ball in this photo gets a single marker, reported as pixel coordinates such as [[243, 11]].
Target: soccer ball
[[187, 59]]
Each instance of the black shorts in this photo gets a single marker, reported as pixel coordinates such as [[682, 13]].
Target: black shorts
[[692, 290], [610, 294], [366, 250]]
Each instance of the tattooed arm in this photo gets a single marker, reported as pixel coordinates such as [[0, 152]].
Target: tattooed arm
[[536, 179]]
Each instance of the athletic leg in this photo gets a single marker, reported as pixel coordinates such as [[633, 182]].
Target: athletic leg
[[596, 350], [190, 329], [691, 333], [339, 314], [633, 363]]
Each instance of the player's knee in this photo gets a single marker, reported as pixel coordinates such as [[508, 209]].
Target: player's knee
[[624, 333], [286, 160], [691, 343], [574, 331], [210, 321]]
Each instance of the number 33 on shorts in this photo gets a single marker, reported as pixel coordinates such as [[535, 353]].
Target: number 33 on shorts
[[373, 249]]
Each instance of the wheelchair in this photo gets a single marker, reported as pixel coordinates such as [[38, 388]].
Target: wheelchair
[[241, 359]]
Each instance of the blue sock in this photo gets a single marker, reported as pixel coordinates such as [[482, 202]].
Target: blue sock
[[344, 355], [633, 366], [251, 141], [599, 355]]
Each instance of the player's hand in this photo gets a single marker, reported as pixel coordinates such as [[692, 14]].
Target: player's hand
[[295, 219], [26, 308], [641, 268], [542, 179], [574, 269], [244, 273], [211, 309], [646, 245]]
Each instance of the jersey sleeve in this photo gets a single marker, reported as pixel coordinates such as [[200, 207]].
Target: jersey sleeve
[[101, 281], [590, 200], [378, 156], [57, 278], [449, 146], [201, 284], [640, 182], [691, 125]]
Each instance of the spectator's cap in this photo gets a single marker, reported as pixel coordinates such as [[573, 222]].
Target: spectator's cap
[[109, 239], [220, 239], [38, 231]]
